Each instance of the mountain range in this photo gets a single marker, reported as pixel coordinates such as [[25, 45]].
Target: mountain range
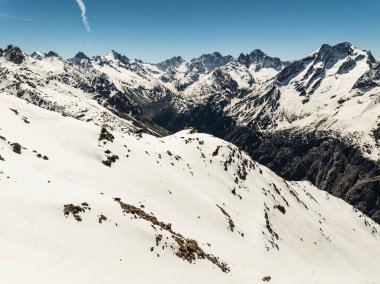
[[315, 119], [108, 205], [215, 169]]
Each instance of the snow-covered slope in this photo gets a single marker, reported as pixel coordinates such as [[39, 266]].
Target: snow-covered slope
[[325, 103], [53, 83], [323, 96], [82, 203]]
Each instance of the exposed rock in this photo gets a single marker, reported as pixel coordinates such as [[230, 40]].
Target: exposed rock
[[14, 54], [261, 60], [170, 63], [75, 210], [53, 54], [188, 250], [106, 135], [16, 148]]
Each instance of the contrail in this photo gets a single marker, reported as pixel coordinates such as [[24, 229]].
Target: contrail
[[18, 18], [84, 16]]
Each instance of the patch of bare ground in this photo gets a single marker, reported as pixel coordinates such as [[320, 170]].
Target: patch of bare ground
[[267, 278], [110, 160], [75, 210], [188, 249], [231, 223], [106, 135], [16, 148]]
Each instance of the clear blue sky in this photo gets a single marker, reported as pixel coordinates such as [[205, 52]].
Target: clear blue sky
[[153, 30]]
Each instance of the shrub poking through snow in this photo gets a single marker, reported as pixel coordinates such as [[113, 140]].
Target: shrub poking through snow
[[267, 278], [110, 160], [188, 250], [75, 210], [105, 135], [16, 148], [102, 218]]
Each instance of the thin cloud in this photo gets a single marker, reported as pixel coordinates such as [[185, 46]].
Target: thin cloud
[[84, 16], [18, 18]]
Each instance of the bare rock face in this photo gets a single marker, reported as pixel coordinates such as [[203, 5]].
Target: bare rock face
[[369, 80], [170, 63], [53, 54], [261, 60], [329, 163], [14, 54]]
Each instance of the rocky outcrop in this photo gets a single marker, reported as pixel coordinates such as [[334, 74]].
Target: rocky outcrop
[[329, 163], [14, 54], [261, 60], [369, 80], [170, 63]]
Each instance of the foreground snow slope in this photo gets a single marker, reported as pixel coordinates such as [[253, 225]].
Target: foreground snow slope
[[69, 218]]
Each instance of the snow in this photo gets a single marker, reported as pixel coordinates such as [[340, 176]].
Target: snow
[[332, 106], [38, 244], [335, 106], [52, 93]]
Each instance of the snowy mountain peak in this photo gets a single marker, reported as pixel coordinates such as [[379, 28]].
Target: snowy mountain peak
[[328, 60], [208, 62], [115, 56], [80, 55], [339, 51], [14, 54], [53, 54], [215, 58], [173, 62], [38, 55], [80, 59], [261, 60], [329, 55]]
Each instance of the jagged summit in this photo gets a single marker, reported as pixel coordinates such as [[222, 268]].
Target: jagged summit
[[170, 63], [38, 55], [80, 59], [53, 54], [339, 51], [114, 55], [14, 54], [261, 60], [327, 53], [12, 47], [213, 59], [207, 62], [80, 55], [344, 55]]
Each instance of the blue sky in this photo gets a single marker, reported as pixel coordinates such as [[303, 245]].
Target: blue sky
[[154, 30]]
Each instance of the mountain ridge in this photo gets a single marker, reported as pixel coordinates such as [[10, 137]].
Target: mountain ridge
[[75, 196], [331, 93]]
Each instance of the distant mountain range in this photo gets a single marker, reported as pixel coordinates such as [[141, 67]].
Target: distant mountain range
[[315, 119]]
